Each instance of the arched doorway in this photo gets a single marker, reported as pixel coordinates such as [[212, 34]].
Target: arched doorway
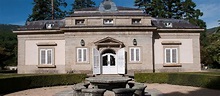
[[108, 60]]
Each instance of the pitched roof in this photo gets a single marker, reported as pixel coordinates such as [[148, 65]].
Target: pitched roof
[[41, 25], [176, 24]]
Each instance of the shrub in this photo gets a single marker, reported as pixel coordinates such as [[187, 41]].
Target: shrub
[[151, 77], [8, 71], [13, 84], [187, 79]]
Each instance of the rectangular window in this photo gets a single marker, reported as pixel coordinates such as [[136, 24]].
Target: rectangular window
[[135, 54], [46, 56], [81, 54], [108, 22], [136, 21], [171, 55], [79, 21]]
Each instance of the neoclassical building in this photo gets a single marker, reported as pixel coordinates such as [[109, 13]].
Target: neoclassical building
[[108, 40]]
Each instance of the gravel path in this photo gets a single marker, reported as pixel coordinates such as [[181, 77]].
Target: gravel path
[[176, 90], [153, 89], [45, 91]]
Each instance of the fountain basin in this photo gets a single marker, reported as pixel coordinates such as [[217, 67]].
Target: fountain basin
[[108, 82]]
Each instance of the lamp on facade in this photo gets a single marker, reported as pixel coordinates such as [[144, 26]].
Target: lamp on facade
[[82, 42], [134, 42]]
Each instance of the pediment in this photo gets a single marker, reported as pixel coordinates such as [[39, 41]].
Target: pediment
[[108, 41]]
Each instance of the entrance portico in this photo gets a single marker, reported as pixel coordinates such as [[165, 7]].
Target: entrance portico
[[108, 60]]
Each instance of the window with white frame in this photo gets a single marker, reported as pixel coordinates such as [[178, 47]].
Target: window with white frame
[[171, 55], [108, 22], [81, 54], [135, 54], [79, 21], [136, 21], [46, 56]]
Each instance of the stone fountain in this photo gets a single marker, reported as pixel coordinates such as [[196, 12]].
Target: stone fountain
[[120, 85]]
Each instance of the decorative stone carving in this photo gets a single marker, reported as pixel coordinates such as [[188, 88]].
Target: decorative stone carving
[[108, 6]]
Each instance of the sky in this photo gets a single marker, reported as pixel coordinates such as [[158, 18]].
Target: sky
[[17, 11]]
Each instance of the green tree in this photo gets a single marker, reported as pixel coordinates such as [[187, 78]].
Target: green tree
[[78, 4], [192, 14], [173, 9], [213, 51], [42, 10], [210, 53], [4, 56], [177, 9], [8, 45], [153, 7], [218, 30]]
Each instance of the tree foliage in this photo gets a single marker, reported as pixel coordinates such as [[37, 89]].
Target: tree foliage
[[42, 10], [211, 52], [8, 45], [218, 30], [177, 9], [78, 4]]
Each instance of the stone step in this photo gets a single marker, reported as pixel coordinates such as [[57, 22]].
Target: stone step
[[112, 75], [90, 75], [109, 75], [129, 75]]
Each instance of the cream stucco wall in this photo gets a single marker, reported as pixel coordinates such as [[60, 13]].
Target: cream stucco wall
[[28, 52], [185, 50], [189, 51], [32, 51]]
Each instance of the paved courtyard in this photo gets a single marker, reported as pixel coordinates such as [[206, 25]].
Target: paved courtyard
[[153, 89]]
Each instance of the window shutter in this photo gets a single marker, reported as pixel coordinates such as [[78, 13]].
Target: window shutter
[[79, 55], [167, 55], [121, 61], [137, 54], [96, 62], [49, 57], [84, 55], [174, 55], [132, 54], [42, 56]]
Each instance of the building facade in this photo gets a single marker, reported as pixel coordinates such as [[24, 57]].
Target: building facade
[[108, 40]]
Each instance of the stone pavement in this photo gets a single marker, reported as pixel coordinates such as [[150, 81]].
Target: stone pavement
[[153, 92]]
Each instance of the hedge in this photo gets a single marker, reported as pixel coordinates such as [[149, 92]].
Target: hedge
[[12, 84], [188, 79], [8, 71]]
